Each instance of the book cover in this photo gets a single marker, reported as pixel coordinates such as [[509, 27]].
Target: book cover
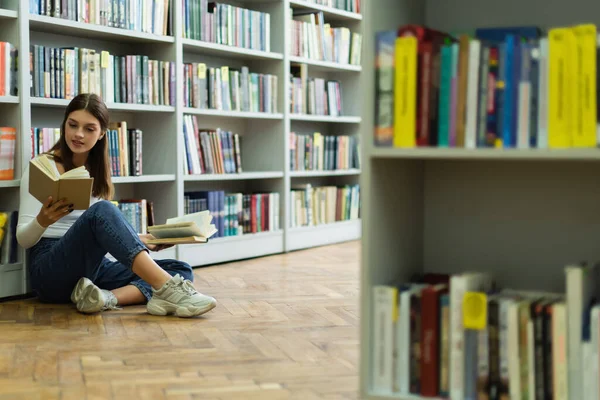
[[74, 185]]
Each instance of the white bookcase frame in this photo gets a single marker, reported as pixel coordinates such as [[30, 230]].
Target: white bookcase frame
[[521, 215], [265, 143]]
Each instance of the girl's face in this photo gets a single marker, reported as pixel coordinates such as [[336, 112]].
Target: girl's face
[[82, 131]]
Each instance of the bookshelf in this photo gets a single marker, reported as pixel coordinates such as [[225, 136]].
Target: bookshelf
[[521, 215], [264, 135]]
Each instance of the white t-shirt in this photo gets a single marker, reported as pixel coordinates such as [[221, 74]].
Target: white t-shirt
[[29, 231]]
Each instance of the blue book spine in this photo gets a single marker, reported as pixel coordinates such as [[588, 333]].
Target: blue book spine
[[444, 100], [509, 87]]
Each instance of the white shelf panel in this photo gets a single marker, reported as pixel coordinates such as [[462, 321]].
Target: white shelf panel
[[325, 65], [11, 280], [398, 396], [232, 114], [8, 14], [234, 177], [482, 154], [143, 178], [342, 172], [200, 47], [42, 23], [325, 118], [9, 99], [13, 183], [232, 248], [48, 102], [11, 267], [320, 235], [330, 13]]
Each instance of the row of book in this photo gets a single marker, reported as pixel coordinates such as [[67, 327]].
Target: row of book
[[226, 24], [124, 147], [210, 151], [9, 249], [43, 139], [148, 16], [8, 141], [462, 337], [315, 96], [8, 69], [62, 73], [317, 152], [311, 37], [138, 212], [236, 214], [311, 206], [512, 87], [229, 89], [345, 5]]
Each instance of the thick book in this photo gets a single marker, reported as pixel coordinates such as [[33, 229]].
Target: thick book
[[189, 229], [74, 185]]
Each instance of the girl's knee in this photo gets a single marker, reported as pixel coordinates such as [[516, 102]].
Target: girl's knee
[[184, 269]]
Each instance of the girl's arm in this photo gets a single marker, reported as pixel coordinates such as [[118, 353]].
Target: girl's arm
[[29, 231]]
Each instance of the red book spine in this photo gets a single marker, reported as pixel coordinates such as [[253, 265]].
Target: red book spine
[[425, 61], [253, 213], [430, 352]]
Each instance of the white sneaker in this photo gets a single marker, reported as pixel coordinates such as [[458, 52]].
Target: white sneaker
[[81, 285], [179, 297], [89, 298]]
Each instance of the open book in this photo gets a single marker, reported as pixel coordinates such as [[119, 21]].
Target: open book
[[74, 185], [191, 228]]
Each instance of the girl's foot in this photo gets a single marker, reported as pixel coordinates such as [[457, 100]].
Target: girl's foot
[[179, 297], [89, 298]]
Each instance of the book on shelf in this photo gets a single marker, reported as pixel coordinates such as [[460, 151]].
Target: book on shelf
[[189, 229], [137, 15], [229, 89], [62, 73], [226, 24], [138, 212], [314, 96], [312, 206], [511, 87], [210, 151], [45, 180], [314, 39], [8, 139], [461, 336], [236, 213], [9, 248], [43, 139], [8, 69], [317, 152], [124, 149], [345, 5]]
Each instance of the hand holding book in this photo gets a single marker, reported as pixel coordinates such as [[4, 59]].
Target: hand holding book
[[52, 211], [146, 238]]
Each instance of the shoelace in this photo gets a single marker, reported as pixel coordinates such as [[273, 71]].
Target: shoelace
[[188, 287], [109, 303]]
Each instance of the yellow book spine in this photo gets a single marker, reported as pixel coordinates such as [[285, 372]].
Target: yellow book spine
[[561, 85], [584, 130], [405, 92]]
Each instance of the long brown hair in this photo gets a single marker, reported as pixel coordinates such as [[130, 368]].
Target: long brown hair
[[97, 162]]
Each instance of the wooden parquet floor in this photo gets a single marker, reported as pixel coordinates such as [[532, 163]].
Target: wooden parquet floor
[[285, 327]]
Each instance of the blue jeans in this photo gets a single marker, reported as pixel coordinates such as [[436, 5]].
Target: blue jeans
[[57, 264]]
